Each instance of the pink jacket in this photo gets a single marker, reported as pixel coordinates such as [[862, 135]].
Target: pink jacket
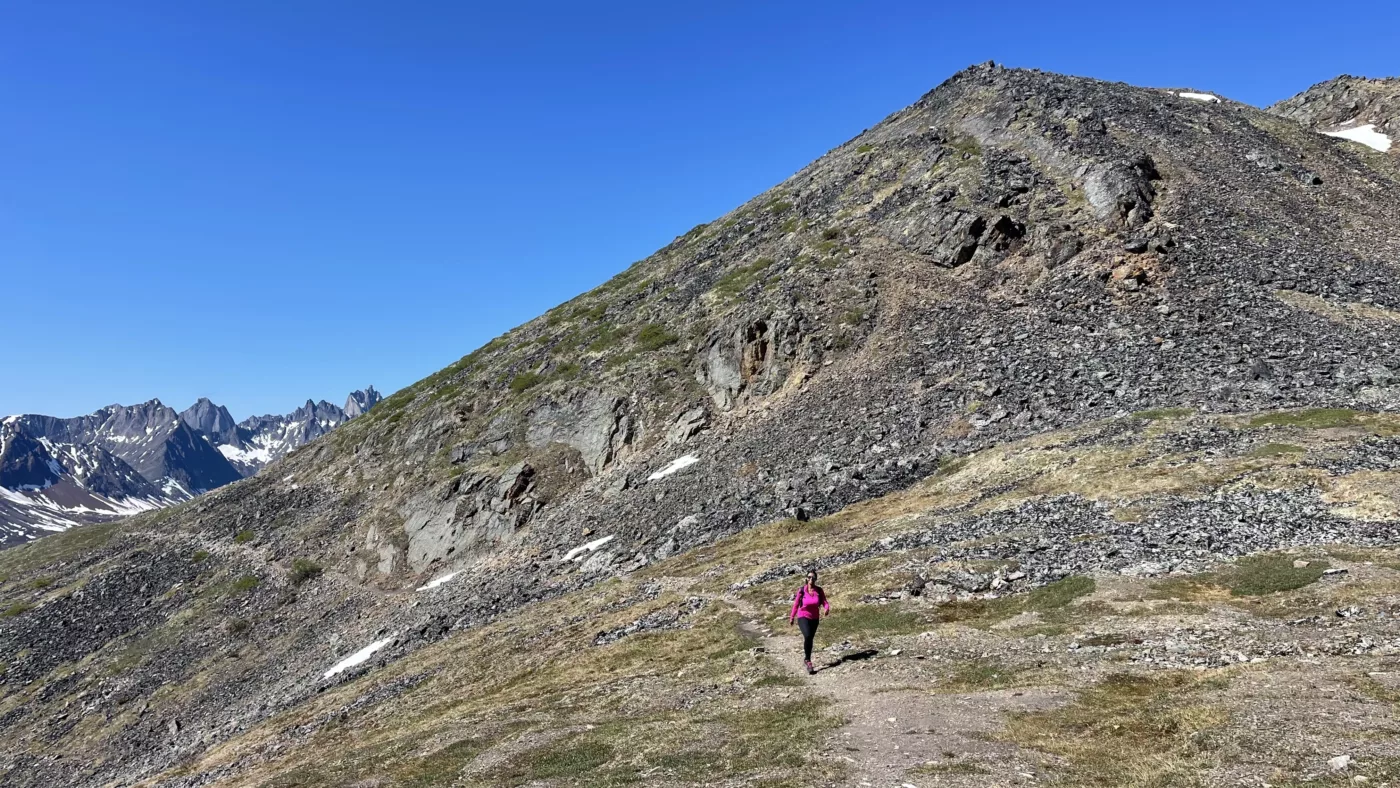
[[806, 604]]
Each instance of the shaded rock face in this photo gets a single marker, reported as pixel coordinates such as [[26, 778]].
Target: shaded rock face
[[360, 402], [594, 423], [213, 421], [756, 357], [24, 462], [468, 514]]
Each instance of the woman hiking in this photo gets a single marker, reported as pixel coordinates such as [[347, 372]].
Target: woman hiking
[[806, 607]]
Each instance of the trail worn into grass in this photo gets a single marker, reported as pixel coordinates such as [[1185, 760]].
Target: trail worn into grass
[[898, 730]]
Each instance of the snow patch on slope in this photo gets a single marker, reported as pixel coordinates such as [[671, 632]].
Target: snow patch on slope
[[576, 553], [437, 581], [1207, 97], [1366, 135], [678, 464], [358, 658]]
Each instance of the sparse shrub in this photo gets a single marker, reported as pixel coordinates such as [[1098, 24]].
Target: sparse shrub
[[852, 317], [16, 609], [737, 281], [246, 583], [606, 338], [200, 556], [866, 148], [304, 569], [244, 536], [789, 226], [40, 583], [832, 233], [654, 336], [779, 206], [566, 370], [525, 380], [237, 626]]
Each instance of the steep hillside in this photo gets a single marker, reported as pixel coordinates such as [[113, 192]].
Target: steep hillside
[[1015, 254]]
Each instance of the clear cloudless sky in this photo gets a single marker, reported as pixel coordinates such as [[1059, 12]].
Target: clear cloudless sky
[[268, 200]]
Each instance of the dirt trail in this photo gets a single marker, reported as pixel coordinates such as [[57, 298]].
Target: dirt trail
[[895, 724]]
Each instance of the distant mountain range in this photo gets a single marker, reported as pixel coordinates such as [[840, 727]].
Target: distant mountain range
[[56, 473]]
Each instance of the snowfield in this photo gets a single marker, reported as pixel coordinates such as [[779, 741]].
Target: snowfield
[[1200, 97], [1366, 135]]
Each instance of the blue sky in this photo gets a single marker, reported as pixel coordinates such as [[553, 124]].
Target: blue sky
[[262, 202]]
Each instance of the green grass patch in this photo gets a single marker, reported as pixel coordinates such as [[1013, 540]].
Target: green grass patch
[[1051, 601], [200, 556], [567, 760], [654, 336], [16, 609], [1256, 575], [1276, 450], [438, 768], [1310, 418], [246, 583], [981, 675], [40, 583], [857, 620], [525, 381], [243, 537], [304, 569], [732, 284], [865, 148]]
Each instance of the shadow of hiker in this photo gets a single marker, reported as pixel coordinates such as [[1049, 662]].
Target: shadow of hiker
[[854, 656]]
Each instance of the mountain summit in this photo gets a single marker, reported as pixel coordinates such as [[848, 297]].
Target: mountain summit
[[1029, 331]]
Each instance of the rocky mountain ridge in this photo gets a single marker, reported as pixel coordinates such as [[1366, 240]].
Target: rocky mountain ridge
[[1364, 110], [953, 295], [120, 460]]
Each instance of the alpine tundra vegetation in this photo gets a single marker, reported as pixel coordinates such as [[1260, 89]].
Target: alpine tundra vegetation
[[1081, 396]]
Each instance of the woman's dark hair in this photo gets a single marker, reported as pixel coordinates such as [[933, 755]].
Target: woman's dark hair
[[812, 575]]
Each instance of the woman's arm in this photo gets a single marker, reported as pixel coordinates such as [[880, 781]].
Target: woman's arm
[[792, 616], [825, 602]]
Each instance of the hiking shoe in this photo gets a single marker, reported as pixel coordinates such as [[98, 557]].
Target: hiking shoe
[[810, 670]]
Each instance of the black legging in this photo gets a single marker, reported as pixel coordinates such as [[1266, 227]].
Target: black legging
[[809, 629]]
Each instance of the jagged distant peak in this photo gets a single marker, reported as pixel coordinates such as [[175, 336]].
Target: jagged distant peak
[[359, 402]]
